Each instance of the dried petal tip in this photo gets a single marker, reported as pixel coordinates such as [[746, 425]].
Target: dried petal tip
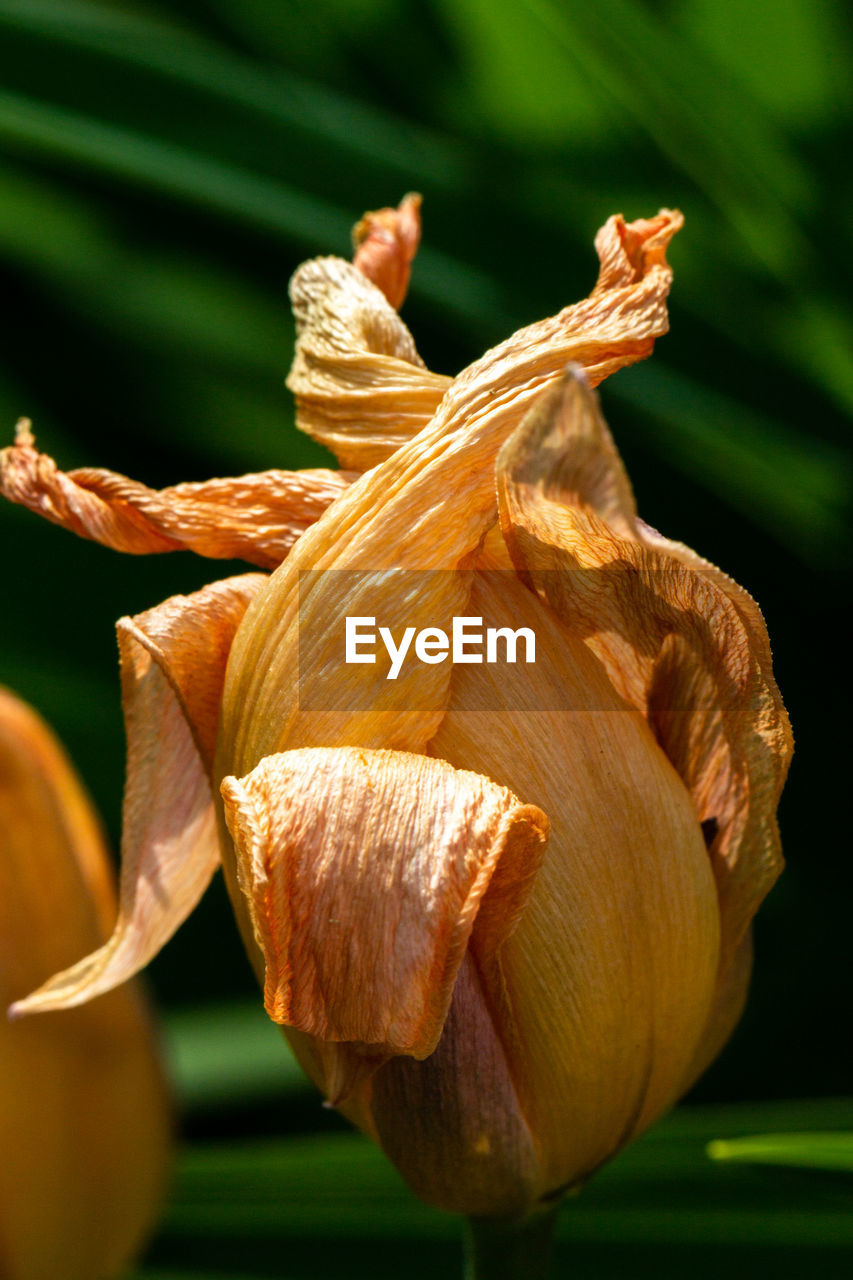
[[385, 242], [24, 437], [636, 247]]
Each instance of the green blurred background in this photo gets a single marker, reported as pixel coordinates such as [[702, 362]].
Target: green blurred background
[[164, 169]]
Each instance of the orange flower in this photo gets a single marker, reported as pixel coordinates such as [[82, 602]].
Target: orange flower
[[84, 1125], [504, 921]]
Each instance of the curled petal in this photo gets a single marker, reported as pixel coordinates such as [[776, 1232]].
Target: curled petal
[[365, 872], [254, 517], [361, 388], [172, 666], [604, 988], [385, 243], [470, 1151], [679, 639], [431, 503]]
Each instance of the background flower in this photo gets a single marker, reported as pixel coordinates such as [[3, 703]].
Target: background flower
[[84, 1114]]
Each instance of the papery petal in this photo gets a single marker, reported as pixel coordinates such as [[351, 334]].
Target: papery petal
[[470, 1151], [361, 388], [365, 872], [253, 517], [385, 243], [84, 1118], [603, 991], [428, 506], [679, 639], [173, 666]]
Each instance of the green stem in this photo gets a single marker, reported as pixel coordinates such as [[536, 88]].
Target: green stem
[[496, 1249]]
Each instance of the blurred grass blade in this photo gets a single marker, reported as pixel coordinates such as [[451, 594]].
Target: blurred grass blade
[[179, 302], [277, 96], [662, 1190], [794, 486], [723, 141], [35, 128], [226, 1053], [38, 130], [799, 1150]]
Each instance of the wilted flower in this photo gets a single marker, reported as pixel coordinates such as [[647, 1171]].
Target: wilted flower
[[500, 1007], [84, 1125]]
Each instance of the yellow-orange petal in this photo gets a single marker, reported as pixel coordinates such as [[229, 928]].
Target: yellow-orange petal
[[173, 666], [430, 504], [680, 640], [361, 388], [84, 1120], [365, 872], [385, 242], [253, 517], [603, 990]]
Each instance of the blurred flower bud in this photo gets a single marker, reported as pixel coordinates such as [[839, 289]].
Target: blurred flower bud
[[84, 1124]]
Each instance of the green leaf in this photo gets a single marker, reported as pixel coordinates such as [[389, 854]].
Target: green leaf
[[733, 152], [661, 1190], [222, 1053], [273, 96], [799, 1150], [35, 129], [791, 484]]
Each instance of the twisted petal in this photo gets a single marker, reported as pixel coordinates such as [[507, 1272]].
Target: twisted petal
[[255, 517], [360, 385], [430, 504], [361, 388], [679, 639], [173, 666], [365, 872], [385, 243]]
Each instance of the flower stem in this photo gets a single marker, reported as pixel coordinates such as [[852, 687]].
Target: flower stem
[[497, 1249]]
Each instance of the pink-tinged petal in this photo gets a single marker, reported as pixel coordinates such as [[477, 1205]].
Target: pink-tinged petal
[[361, 388], [470, 1150], [385, 243], [172, 667], [254, 517], [680, 640], [428, 506], [365, 872]]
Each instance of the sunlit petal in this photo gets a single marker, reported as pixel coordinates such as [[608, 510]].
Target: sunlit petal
[[365, 871], [431, 503], [253, 517], [679, 639], [173, 666], [604, 989], [361, 388]]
